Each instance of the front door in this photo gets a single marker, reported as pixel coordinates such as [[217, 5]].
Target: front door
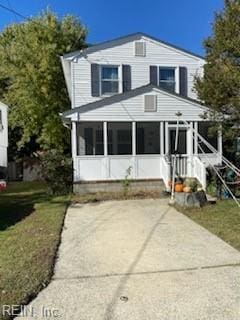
[[181, 154], [182, 141]]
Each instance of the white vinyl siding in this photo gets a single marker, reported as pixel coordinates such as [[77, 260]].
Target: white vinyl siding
[[133, 109], [3, 156], [156, 54]]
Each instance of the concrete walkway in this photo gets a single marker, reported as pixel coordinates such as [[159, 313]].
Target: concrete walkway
[[140, 259]]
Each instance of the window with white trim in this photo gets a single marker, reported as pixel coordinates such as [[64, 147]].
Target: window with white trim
[[90, 139], [109, 80], [167, 79]]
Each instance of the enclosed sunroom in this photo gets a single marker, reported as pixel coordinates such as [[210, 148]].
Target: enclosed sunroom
[[135, 132]]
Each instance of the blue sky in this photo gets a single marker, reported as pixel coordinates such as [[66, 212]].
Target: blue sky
[[182, 22]]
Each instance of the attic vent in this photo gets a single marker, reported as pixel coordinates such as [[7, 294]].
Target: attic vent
[[140, 49], [150, 103]]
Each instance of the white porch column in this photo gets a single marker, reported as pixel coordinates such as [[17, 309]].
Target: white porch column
[[105, 162], [74, 150], [161, 138], [190, 149], [134, 138], [105, 142], [134, 161], [195, 138], [177, 71], [166, 138], [220, 151]]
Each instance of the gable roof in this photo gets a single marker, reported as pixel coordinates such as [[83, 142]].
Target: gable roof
[[126, 95], [125, 39]]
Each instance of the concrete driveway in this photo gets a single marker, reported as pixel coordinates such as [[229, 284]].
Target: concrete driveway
[[140, 259]]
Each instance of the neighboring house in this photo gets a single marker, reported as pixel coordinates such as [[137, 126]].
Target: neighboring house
[[125, 95], [3, 138]]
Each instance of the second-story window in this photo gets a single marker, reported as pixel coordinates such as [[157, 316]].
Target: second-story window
[[167, 78], [109, 80]]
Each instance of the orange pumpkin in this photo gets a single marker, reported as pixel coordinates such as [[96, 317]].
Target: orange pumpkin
[[179, 187]]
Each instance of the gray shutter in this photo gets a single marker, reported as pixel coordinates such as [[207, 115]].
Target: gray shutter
[[127, 78], [95, 80], [154, 75], [183, 81]]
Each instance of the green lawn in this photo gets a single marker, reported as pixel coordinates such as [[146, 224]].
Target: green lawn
[[30, 227], [222, 219], [31, 223]]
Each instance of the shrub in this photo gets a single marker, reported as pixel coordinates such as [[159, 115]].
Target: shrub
[[57, 172], [126, 182]]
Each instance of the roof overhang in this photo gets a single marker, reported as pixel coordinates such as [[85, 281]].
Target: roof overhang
[[125, 39], [130, 94], [66, 66]]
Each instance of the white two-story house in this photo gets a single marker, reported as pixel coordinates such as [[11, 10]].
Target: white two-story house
[[3, 139], [127, 97]]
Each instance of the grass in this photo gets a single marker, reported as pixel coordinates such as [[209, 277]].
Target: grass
[[222, 219], [31, 224], [30, 228]]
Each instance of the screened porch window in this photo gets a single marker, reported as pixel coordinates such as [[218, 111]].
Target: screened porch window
[[148, 138], [167, 78], [90, 139], [99, 142], [204, 131], [124, 141], [109, 80], [120, 138]]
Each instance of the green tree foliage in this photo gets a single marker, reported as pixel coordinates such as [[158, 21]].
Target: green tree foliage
[[31, 77], [220, 87], [57, 171]]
